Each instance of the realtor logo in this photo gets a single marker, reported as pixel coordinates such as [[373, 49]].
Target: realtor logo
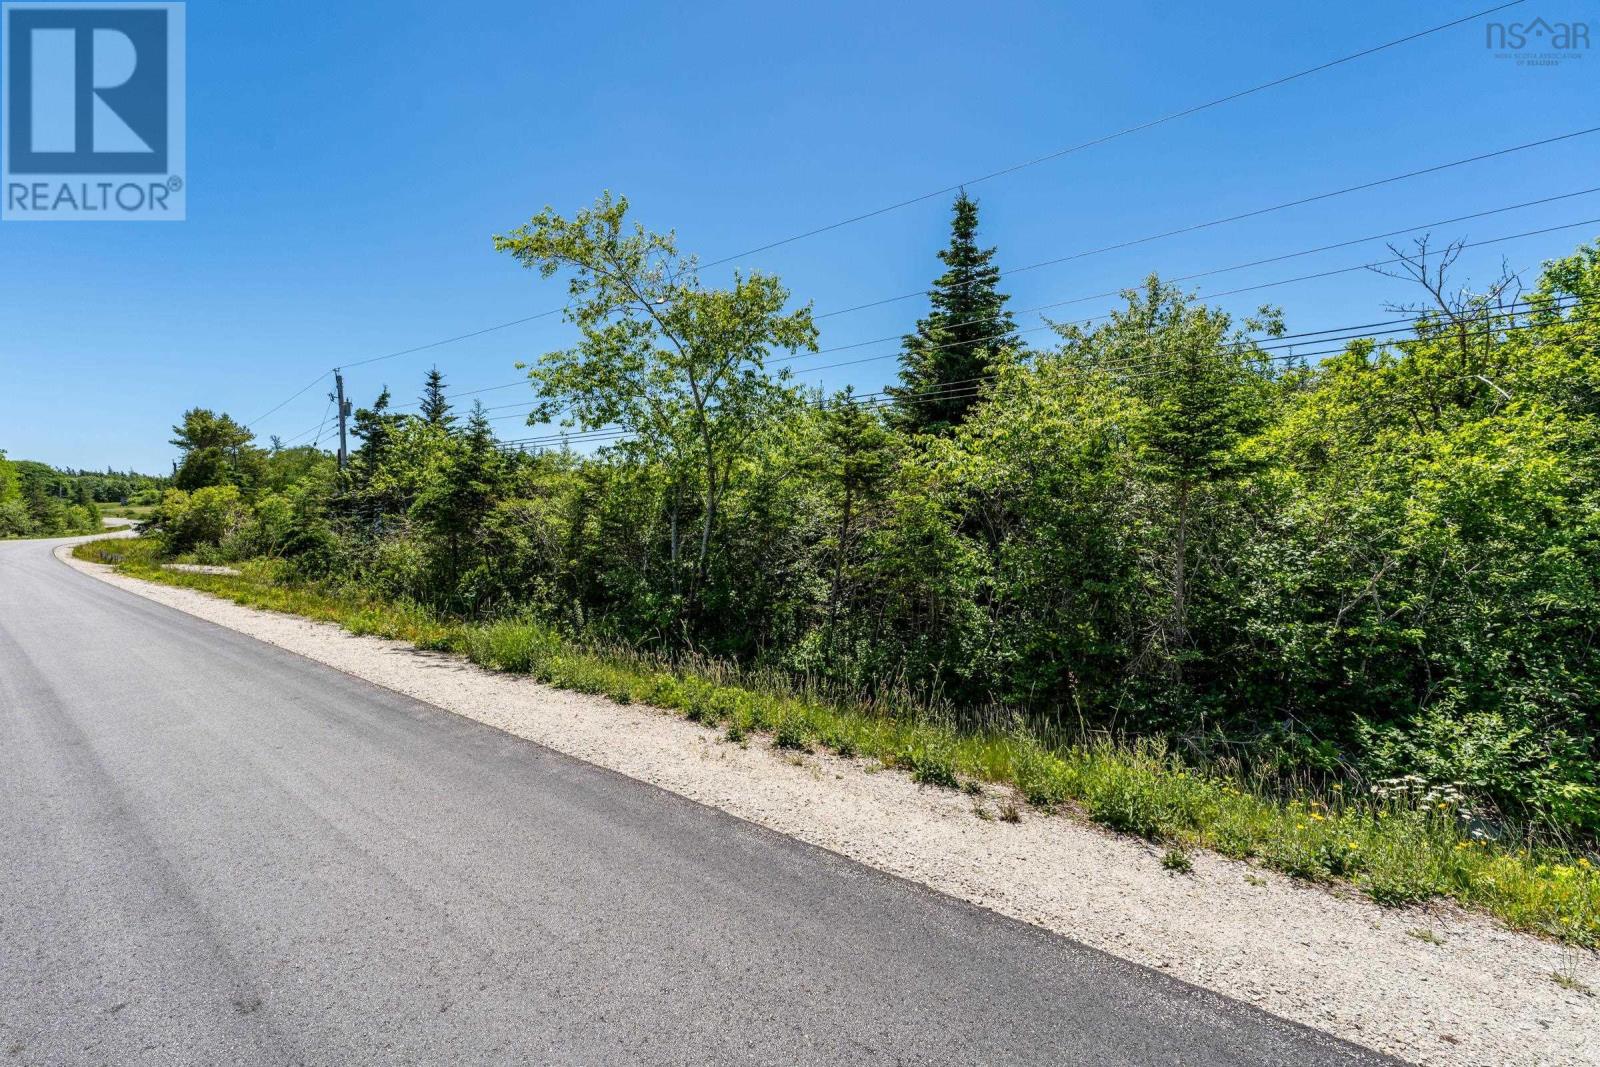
[[92, 101]]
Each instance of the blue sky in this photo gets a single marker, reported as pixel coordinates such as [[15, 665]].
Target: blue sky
[[349, 162]]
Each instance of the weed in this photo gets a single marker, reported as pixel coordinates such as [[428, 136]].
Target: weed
[[792, 733], [1177, 861], [1009, 812], [1566, 981], [1396, 891], [934, 770], [1424, 934]]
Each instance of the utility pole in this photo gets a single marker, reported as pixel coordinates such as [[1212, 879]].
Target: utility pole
[[344, 413]]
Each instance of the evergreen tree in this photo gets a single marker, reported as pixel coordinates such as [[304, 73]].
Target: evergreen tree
[[216, 451], [859, 458], [435, 408], [962, 339], [371, 494], [465, 482]]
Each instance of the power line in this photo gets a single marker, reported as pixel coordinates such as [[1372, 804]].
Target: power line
[[318, 438], [1146, 365], [1195, 227], [1137, 366], [454, 340], [297, 395], [1115, 292], [1339, 333], [1254, 213], [1016, 331], [1342, 333], [1105, 138], [1223, 270], [1126, 244]]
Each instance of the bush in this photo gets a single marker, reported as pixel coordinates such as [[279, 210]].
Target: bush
[[15, 519], [205, 517]]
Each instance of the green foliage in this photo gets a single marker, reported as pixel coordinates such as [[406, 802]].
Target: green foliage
[[215, 451], [679, 365], [205, 518], [1177, 861], [41, 501], [434, 406], [1154, 533], [965, 336], [10, 481]]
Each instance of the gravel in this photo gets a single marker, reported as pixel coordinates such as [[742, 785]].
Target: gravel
[[1466, 991]]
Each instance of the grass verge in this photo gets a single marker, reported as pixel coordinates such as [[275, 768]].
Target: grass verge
[[1397, 850]]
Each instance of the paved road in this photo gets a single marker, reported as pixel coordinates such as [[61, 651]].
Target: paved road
[[215, 852]]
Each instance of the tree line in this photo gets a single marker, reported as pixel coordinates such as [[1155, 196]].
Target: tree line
[[37, 500], [1383, 562]]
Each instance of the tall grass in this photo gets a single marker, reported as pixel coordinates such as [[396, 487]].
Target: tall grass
[[1400, 849]]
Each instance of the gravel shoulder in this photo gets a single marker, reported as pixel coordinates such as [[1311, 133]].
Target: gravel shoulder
[[1470, 993]]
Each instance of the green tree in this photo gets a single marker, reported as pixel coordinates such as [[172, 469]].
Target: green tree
[[371, 490], [15, 518], [215, 451], [434, 405], [680, 367], [965, 337], [10, 483], [1204, 392], [860, 454], [465, 481]]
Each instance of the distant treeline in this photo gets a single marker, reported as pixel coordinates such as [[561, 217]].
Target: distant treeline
[[38, 500], [1381, 561]]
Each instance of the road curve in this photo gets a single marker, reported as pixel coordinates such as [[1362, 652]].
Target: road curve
[[217, 852]]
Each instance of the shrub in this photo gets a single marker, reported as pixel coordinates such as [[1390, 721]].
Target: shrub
[[204, 517], [794, 733], [931, 764]]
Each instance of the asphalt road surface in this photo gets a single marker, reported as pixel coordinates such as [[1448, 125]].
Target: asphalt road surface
[[216, 852]]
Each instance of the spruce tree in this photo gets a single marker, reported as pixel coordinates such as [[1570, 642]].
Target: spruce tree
[[963, 338], [435, 408]]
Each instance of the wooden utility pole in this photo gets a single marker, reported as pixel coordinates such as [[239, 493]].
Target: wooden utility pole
[[344, 413]]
